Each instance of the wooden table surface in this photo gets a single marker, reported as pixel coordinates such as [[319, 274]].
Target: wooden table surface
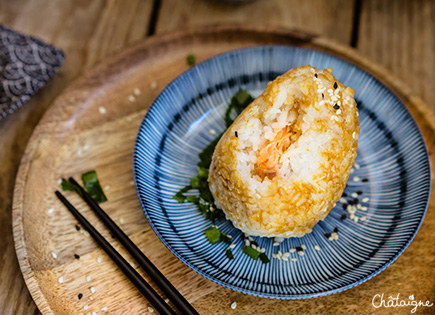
[[399, 34]]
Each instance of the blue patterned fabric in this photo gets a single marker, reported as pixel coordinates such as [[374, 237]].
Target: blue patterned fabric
[[26, 65]]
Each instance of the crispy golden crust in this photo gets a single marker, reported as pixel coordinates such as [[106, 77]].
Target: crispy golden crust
[[290, 206]]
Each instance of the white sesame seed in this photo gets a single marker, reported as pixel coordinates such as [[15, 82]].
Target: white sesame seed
[[104, 308], [330, 238], [79, 152], [121, 221], [91, 298], [88, 278], [273, 255], [333, 117], [132, 264], [276, 244], [303, 247], [128, 118], [50, 211], [150, 309], [85, 307], [247, 242], [354, 135], [351, 216], [136, 91], [358, 206], [59, 181], [292, 250], [167, 300], [250, 239], [153, 85], [293, 259], [286, 255], [363, 218], [131, 183], [94, 313], [356, 219], [300, 253], [131, 98], [102, 110], [352, 170], [336, 237], [343, 200], [365, 199], [354, 195], [212, 131], [279, 253], [363, 208], [330, 91], [85, 233], [356, 178], [338, 112], [316, 247], [54, 255], [92, 289], [60, 279], [98, 259], [262, 250], [356, 165], [86, 147], [232, 246], [336, 118], [279, 239], [285, 258], [233, 305]]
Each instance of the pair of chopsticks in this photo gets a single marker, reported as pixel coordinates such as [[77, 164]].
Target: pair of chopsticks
[[159, 279]]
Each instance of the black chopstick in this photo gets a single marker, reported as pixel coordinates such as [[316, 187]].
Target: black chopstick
[[168, 289], [158, 303]]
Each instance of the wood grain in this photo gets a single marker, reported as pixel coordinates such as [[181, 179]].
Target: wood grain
[[400, 35], [332, 18], [110, 138], [87, 31]]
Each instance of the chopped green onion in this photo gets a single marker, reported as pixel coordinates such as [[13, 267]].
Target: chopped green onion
[[213, 235], [202, 172], [193, 199], [194, 182], [253, 253], [67, 186], [225, 238], [93, 187], [229, 254], [190, 59], [264, 258], [179, 196]]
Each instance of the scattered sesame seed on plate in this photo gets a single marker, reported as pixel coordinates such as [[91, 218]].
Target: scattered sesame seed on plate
[[150, 309], [354, 195], [79, 152], [316, 247], [128, 118], [86, 147], [92, 289], [356, 178], [131, 98], [292, 250], [102, 110], [343, 200], [365, 199], [132, 264], [276, 244], [232, 246], [304, 247], [301, 253], [363, 208], [86, 233], [233, 305], [86, 307], [121, 221], [153, 85], [60, 279], [59, 181], [94, 313], [54, 255], [363, 218], [107, 187], [352, 170], [98, 259], [88, 278], [212, 131], [104, 308], [136, 91], [167, 300], [293, 259]]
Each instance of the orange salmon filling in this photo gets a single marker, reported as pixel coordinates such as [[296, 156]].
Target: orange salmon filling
[[269, 156]]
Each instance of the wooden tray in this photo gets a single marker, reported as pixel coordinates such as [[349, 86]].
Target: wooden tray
[[93, 125]]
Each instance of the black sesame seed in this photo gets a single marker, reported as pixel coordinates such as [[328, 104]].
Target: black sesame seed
[[77, 228], [80, 296], [299, 249], [76, 256], [335, 85], [355, 201], [343, 217], [344, 194], [336, 229], [328, 235], [316, 75], [359, 192], [323, 96], [242, 236], [336, 106], [350, 202], [237, 135], [345, 206], [365, 180]]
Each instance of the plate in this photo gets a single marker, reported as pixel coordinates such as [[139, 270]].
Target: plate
[[391, 179]]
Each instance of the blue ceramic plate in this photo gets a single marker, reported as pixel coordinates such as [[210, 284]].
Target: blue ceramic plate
[[392, 177]]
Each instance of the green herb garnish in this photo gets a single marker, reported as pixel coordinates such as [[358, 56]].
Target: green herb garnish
[[67, 186], [93, 187], [253, 253], [205, 200], [264, 258], [190, 59], [225, 238], [229, 254], [213, 235], [239, 102]]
